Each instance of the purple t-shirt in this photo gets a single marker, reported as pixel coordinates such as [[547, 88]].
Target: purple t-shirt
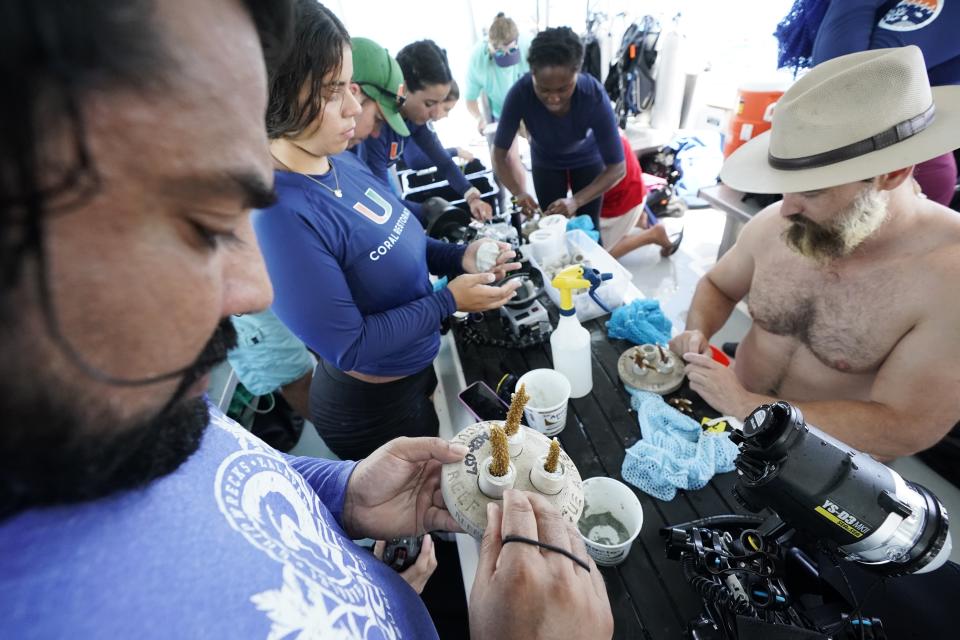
[[239, 542], [586, 135]]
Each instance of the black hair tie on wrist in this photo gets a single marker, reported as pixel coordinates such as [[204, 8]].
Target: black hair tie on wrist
[[550, 547]]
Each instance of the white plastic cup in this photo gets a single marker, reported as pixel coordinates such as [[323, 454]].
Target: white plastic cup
[[608, 541], [546, 245], [549, 391], [555, 222]]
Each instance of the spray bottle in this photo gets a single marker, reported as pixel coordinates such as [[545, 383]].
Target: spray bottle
[[570, 342]]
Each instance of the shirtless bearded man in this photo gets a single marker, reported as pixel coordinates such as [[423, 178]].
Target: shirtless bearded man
[[853, 278]]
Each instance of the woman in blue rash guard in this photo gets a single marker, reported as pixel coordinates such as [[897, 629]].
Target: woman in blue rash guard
[[574, 140], [415, 158], [350, 265], [428, 80]]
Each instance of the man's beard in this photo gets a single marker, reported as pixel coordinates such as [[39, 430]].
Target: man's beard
[[851, 228], [58, 449]]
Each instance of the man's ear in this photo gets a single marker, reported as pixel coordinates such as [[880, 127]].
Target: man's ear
[[892, 180]]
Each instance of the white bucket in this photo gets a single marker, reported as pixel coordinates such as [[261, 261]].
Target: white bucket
[[549, 391], [547, 245], [611, 520], [556, 223]]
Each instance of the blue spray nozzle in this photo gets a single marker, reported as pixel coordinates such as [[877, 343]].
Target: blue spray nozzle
[[595, 278]]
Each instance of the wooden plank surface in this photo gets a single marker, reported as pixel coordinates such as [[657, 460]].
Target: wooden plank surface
[[648, 594]]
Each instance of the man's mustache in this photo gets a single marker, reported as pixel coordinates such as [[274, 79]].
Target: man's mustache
[[224, 339]]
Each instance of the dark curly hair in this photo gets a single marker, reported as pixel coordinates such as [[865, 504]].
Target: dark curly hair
[[317, 52], [424, 64], [52, 54], [556, 47]]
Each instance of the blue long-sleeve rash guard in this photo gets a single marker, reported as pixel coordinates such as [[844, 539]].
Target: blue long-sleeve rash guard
[[585, 135], [382, 152], [859, 25], [351, 274]]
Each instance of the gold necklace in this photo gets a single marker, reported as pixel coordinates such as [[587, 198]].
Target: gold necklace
[[337, 192]]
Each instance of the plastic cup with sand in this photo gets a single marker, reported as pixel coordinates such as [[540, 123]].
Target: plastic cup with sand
[[611, 520]]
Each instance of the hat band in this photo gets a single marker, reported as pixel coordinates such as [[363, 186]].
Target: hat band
[[897, 133]]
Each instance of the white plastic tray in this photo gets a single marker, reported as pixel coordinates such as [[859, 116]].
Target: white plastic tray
[[611, 292]]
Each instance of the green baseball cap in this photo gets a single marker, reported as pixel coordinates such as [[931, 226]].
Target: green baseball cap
[[380, 77]]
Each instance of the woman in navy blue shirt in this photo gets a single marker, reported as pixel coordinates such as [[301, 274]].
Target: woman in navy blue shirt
[[349, 264], [428, 82], [574, 141]]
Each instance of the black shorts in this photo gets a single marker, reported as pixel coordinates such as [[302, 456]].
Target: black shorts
[[354, 417], [553, 184]]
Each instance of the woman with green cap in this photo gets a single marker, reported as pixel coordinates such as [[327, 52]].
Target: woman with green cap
[[427, 81], [377, 80]]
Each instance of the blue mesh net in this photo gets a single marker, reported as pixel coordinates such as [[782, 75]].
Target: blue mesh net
[[797, 32], [675, 452]]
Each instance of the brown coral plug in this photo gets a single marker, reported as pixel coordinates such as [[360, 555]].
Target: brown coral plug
[[500, 452], [517, 403], [663, 355], [553, 457]]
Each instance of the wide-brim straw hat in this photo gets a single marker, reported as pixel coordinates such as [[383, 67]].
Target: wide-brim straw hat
[[848, 119]]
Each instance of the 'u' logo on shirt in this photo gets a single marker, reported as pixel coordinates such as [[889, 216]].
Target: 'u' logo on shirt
[[368, 213]]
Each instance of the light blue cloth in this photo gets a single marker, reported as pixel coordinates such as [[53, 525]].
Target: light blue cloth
[[267, 356], [585, 224], [640, 322], [675, 452]]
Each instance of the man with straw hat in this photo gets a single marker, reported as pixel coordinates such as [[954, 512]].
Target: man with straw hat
[[852, 277]]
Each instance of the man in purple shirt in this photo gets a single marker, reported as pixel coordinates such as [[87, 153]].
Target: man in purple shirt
[[132, 151]]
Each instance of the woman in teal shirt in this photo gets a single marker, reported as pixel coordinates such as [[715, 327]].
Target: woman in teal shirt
[[495, 65]]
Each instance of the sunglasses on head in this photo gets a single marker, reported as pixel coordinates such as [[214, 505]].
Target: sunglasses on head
[[399, 97]]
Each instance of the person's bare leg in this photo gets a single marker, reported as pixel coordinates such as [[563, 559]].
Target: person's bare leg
[[656, 234], [297, 394]]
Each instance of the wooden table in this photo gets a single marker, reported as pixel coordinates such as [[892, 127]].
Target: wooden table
[[738, 210], [648, 594]]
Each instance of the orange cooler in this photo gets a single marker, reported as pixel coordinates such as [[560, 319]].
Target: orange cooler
[[753, 114]]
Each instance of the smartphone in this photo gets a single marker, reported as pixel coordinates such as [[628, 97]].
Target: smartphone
[[400, 553], [483, 402]]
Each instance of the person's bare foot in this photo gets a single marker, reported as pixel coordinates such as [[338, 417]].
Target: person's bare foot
[[661, 237]]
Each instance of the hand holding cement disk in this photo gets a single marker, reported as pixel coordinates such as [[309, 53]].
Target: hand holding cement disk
[[417, 574], [564, 206], [719, 387], [473, 292], [396, 491], [522, 591], [501, 265], [689, 341]]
